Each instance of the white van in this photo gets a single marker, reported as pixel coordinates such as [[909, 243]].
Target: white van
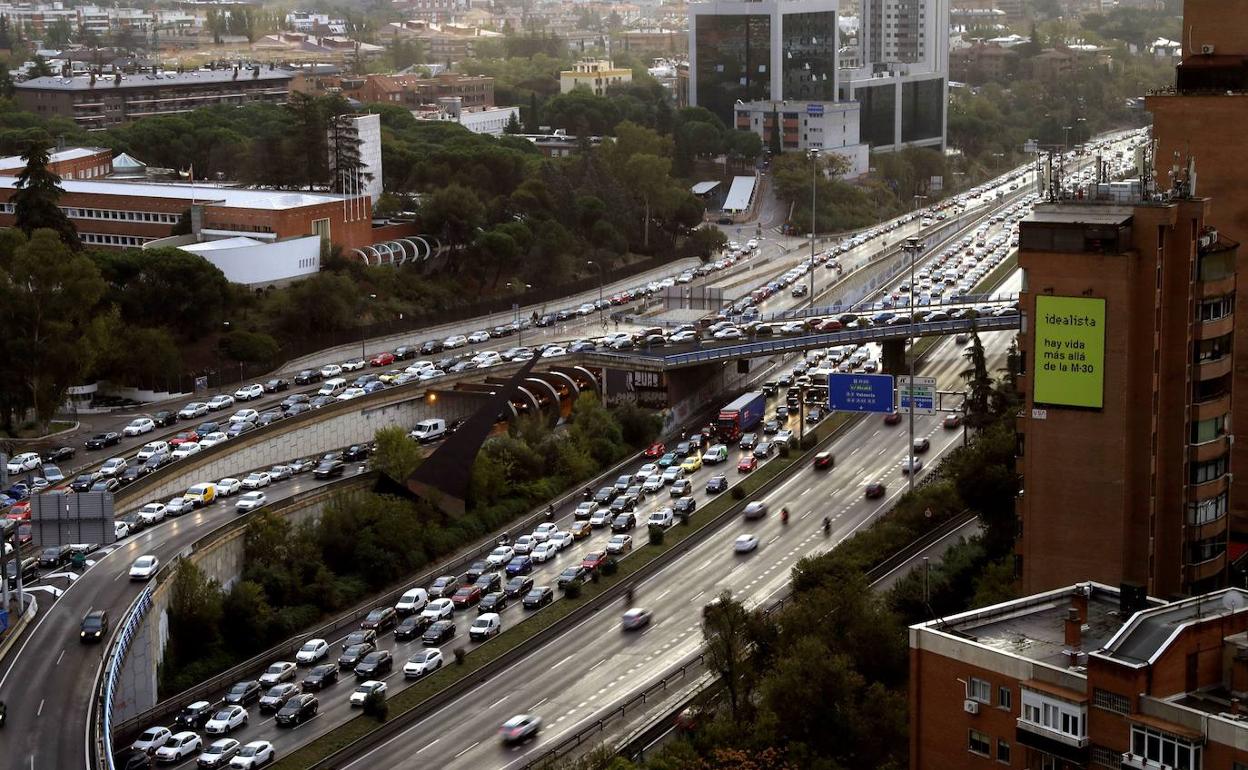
[[715, 454], [428, 430], [411, 602], [332, 387]]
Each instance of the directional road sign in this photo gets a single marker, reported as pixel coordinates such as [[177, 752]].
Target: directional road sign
[[860, 392], [924, 391]]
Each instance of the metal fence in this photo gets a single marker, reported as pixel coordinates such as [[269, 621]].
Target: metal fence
[[112, 671]]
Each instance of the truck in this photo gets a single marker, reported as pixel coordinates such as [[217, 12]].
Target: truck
[[429, 430], [741, 415]]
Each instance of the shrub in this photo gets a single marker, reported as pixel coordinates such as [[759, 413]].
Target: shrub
[[737, 493], [375, 706], [610, 567], [461, 654], [656, 534], [572, 590], [784, 450]]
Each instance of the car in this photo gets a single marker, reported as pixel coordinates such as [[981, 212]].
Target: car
[[439, 609], [624, 522], [277, 696], [681, 488], [254, 754], [83, 482], [196, 714], [672, 474], [635, 618], [443, 587], [375, 664], [328, 469], [352, 654], [655, 450], [193, 411], [411, 627], [952, 421], [874, 490], [320, 677], [220, 402], [621, 543], [892, 418], [537, 597], [250, 501], [298, 709], [53, 555], [101, 440], [668, 460], [584, 511], [354, 365], [152, 513], [257, 480], [186, 437], [520, 565], [764, 449], [500, 556], [144, 567], [520, 728], [423, 662], [544, 552], [486, 625], [580, 530], [745, 543], [413, 600], [921, 445], [178, 747], [151, 739], [219, 753], [355, 452], [227, 720], [910, 465], [717, 483], [518, 586], [380, 619], [685, 505], [438, 632], [544, 531], [474, 571], [249, 392], [242, 693], [748, 441], [178, 506], [244, 415], [466, 596], [276, 673], [312, 652], [747, 464], [756, 509], [137, 427]]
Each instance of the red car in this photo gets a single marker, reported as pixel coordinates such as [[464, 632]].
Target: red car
[[893, 418], [656, 449], [747, 464], [830, 325], [19, 511], [824, 460], [875, 489], [382, 359], [593, 560], [953, 421], [466, 597], [184, 437]]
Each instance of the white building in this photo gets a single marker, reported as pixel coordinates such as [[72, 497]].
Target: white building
[[367, 130], [824, 126], [479, 120], [595, 74]]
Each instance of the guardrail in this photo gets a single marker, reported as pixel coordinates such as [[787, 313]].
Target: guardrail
[[103, 742]]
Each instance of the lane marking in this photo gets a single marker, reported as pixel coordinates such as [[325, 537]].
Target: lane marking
[[465, 751]]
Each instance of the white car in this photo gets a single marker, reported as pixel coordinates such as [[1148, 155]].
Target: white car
[[138, 427], [524, 544], [113, 466], [454, 341], [413, 600], [544, 531], [664, 517], [178, 506], [478, 336], [218, 753], [905, 466], [212, 439], [653, 483], [257, 480], [120, 529], [330, 371], [226, 721], [144, 567], [500, 556], [645, 472], [152, 738], [430, 374], [193, 410], [250, 501], [312, 651], [185, 449], [179, 747], [438, 609], [229, 486], [152, 513], [151, 449], [731, 333], [486, 625], [424, 662], [351, 393], [601, 518], [354, 365], [245, 415], [249, 392], [278, 672], [554, 351], [253, 755], [366, 689], [544, 551], [620, 544], [745, 543], [219, 402], [561, 539]]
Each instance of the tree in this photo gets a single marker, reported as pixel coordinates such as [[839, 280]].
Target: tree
[[650, 177], [59, 34], [455, 212], [345, 165], [251, 347], [311, 120], [247, 617], [35, 199], [726, 630], [395, 453], [195, 612], [979, 384], [40, 68], [513, 125]]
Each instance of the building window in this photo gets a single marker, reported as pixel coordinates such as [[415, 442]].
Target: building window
[[1059, 716], [1213, 349], [979, 690], [321, 227], [1208, 471], [1110, 701], [1003, 751], [1005, 698], [1204, 550], [1218, 307], [1106, 757], [1208, 430], [1205, 511], [979, 744], [1165, 749]]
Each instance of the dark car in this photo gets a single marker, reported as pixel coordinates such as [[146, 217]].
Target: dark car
[[298, 709], [375, 665], [356, 452], [518, 586], [625, 522], [716, 484], [403, 352], [277, 696], [605, 495], [54, 555], [195, 715], [101, 440], [381, 619], [824, 461], [59, 453], [105, 485], [952, 421], [156, 461], [276, 385], [293, 399], [874, 489], [622, 505], [242, 693], [477, 569], [490, 581], [443, 587], [352, 655], [411, 627], [438, 632], [892, 418], [320, 677], [681, 488], [307, 377], [519, 565], [134, 472], [685, 505], [921, 445], [329, 469], [165, 418], [538, 597], [573, 574], [431, 346], [494, 601], [204, 428], [30, 570], [94, 626], [84, 481], [269, 417]]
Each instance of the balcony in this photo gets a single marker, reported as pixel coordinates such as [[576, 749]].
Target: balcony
[[1213, 368], [1137, 762], [1199, 453], [1219, 327], [1052, 742], [1206, 569], [1210, 408], [1216, 287], [1209, 489], [1209, 529]]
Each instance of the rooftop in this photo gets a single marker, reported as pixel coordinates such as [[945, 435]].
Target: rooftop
[[83, 82], [1150, 631], [1080, 213], [69, 153], [269, 200]]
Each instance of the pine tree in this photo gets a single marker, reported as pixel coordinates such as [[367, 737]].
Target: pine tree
[[513, 125], [979, 384], [36, 196]]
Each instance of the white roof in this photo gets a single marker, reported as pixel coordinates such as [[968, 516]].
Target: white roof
[[70, 153], [221, 244], [740, 194], [271, 200], [702, 188]]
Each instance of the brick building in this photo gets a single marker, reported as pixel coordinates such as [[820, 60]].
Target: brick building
[[1205, 115], [1123, 452], [473, 91], [70, 163], [982, 63], [94, 102], [1083, 676]]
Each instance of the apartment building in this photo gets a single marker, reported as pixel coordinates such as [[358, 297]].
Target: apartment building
[[596, 75], [1083, 676]]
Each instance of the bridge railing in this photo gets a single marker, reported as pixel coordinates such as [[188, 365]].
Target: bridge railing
[[103, 723]]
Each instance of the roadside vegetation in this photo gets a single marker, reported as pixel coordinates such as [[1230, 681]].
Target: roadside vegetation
[[363, 543]]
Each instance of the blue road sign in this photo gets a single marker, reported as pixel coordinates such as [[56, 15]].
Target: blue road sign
[[860, 392]]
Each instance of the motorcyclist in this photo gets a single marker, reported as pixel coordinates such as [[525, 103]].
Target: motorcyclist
[[550, 512], [4, 713], [784, 515], [827, 525], [589, 493]]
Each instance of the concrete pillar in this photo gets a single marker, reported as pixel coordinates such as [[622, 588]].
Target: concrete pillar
[[893, 357]]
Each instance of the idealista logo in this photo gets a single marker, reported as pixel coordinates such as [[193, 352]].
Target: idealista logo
[[1069, 319]]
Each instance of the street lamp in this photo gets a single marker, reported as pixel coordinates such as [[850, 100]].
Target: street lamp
[[814, 167], [363, 328], [913, 248], [602, 276], [515, 312], [220, 364]]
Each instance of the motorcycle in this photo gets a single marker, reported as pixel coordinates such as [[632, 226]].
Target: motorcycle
[[827, 526], [784, 515]]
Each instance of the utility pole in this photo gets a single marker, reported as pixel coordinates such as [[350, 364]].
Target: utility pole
[[814, 168], [913, 247]]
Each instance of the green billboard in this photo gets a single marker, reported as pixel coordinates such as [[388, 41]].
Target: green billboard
[[1069, 352]]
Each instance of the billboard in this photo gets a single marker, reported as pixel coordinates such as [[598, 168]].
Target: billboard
[[1069, 352], [58, 518], [860, 392]]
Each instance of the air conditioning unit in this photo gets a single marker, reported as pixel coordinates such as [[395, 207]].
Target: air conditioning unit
[[1207, 50], [970, 706]]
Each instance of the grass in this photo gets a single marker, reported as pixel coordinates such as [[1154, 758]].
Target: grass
[[478, 658], [31, 430]]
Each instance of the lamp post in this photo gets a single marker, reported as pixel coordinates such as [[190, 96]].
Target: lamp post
[[220, 364], [602, 276], [814, 168], [515, 313], [913, 247], [363, 328]]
